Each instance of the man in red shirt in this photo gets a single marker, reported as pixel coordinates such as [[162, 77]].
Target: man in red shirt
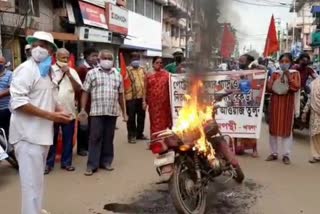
[[90, 62], [304, 69]]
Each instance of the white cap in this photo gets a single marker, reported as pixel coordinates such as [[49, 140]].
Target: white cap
[[41, 35], [27, 47], [177, 51]]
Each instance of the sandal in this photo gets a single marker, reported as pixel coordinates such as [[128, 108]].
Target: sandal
[[286, 160], [314, 160], [68, 168], [272, 157], [47, 170], [89, 172]]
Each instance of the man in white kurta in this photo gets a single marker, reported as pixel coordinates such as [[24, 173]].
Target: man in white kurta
[[34, 108]]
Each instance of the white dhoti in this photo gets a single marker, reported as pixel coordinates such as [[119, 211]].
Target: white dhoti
[[286, 143], [32, 162]]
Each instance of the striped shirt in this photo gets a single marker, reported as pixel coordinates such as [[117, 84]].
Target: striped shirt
[[104, 88], [5, 81]]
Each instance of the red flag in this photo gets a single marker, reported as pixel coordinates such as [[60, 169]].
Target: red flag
[[228, 42], [272, 44], [125, 77]]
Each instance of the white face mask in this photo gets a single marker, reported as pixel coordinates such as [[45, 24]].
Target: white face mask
[[62, 64], [39, 54], [106, 64]]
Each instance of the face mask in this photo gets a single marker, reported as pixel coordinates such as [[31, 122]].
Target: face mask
[[39, 54], [135, 63], [304, 64], [178, 59], [106, 64], [1, 68], [62, 64], [285, 67], [45, 66], [242, 66]]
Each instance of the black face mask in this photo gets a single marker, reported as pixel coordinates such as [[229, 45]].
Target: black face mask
[[242, 66], [304, 64], [178, 59]]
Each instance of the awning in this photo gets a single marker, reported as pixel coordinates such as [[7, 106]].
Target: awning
[[315, 9], [57, 35]]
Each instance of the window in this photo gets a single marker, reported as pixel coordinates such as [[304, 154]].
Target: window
[[23, 6], [157, 12], [173, 30], [139, 6], [149, 9], [130, 5], [177, 32], [167, 27]]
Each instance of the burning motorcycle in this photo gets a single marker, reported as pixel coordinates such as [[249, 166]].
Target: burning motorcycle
[[192, 155]]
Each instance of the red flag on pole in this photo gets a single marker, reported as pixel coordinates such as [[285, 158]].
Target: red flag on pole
[[228, 42], [125, 77], [272, 44]]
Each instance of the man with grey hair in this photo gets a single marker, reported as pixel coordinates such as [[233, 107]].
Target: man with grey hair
[[104, 85], [34, 110], [68, 82]]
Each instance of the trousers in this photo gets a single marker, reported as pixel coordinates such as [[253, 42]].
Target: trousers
[[286, 143], [83, 138], [5, 115], [136, 118], [32, 160], [67, 139], [101, 151]]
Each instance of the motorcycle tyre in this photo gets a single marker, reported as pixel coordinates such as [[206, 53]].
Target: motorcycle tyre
[[176, 196], [239, 177]]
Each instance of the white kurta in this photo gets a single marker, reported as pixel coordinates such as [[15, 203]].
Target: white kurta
[[29, 87], [31, 135]]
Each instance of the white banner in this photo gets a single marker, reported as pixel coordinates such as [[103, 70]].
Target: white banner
[[241, 112]]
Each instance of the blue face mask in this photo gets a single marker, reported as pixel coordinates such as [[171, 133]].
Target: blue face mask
[[285, 67], [45, 66], [135, 63]]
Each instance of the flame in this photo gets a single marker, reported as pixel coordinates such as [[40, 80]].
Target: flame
[[192, 118]]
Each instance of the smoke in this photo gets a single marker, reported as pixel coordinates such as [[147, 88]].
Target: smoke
[[208, 20]]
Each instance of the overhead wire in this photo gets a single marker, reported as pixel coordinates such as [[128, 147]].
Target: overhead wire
[[263, 5]]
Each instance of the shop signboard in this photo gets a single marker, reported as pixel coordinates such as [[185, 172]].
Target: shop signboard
[[94, 35], [117, 19], [93, 15]]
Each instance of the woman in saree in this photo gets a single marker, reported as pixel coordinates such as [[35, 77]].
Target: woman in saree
[[283, 86], [313, 106], [158, 97]]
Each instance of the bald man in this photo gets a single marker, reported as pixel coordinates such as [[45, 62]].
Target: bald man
[[68, 82], [5, 81]]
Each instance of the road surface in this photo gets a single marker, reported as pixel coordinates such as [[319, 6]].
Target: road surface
[[270, 188]]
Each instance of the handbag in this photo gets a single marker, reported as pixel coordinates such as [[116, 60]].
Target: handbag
[[281, 86]]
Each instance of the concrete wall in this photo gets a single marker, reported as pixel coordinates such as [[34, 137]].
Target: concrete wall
[[43, 22]]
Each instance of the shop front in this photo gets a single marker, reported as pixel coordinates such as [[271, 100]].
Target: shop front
[[103, 27], [144, 36]]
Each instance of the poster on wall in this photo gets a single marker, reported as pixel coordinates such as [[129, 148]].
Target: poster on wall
[[93, 15], [240, 113]]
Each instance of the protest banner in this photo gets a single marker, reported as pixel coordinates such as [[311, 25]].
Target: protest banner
[[241, 112]]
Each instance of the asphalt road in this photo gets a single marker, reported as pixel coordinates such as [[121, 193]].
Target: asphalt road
[[270, 188]]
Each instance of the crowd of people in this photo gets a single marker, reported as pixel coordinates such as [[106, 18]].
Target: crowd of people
[[51, 96], [41, 97]]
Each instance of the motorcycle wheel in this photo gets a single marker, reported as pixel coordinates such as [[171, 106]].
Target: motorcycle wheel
[[239, 177], [186, 199]]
